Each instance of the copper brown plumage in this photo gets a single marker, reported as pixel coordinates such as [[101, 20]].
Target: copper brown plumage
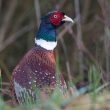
[[37, 66]]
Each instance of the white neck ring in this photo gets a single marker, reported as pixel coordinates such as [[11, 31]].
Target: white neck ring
[[48, 45]]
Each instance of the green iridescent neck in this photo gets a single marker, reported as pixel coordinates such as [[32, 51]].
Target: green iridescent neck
[[46, 32]]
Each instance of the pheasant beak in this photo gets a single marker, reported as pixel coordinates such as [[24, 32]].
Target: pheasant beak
[[66, 18]]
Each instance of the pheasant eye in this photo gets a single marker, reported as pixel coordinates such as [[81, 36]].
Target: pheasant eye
[[55, 16]]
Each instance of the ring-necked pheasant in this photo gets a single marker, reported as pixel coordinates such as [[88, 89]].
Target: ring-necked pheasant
[[38, 66]]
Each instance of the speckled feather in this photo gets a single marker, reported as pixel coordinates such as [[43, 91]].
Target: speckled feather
[[37, 66]]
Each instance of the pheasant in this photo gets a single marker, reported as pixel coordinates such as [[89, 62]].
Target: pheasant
[[38, 66]]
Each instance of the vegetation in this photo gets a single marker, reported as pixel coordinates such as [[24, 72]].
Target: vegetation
[[83, 50]]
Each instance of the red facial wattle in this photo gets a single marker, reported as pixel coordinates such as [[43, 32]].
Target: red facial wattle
[[56, 18]]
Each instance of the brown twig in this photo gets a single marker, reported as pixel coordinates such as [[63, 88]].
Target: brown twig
[[86, 10], [5, 92], [7, 19], [6, 84], [24, 16], [38, 13], [79, 38], [104, 4], [107, 53], [0, 6], [4, 67], [66, 59], [15, 36]]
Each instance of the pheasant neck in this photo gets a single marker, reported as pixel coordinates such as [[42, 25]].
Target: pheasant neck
[[46, 36]]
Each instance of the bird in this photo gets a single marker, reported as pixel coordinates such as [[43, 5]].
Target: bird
[[37, 69]]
